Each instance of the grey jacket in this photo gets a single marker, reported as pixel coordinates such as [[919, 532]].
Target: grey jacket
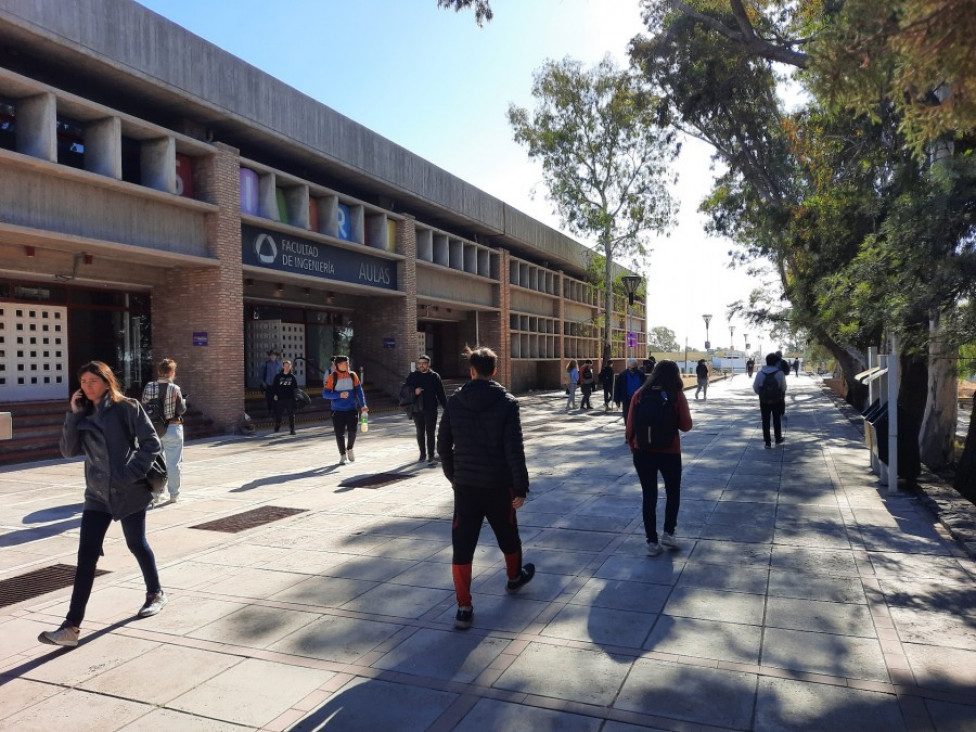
[[115, 468]]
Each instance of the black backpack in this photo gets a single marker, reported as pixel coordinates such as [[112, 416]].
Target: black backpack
[[586, 376], [156, 409], [655, 420], [769, 391]]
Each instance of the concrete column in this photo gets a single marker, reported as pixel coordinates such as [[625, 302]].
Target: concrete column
[[296, 200], [37, 133], [158, 161], [496, 332], [268, 196], [103, 147]]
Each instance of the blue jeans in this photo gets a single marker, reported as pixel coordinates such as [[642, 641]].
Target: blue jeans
[[648, 465], [173, 452], [94, 524]]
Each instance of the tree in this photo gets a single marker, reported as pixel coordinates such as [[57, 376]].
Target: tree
[[662, 339], [605, 159], [482, 8]]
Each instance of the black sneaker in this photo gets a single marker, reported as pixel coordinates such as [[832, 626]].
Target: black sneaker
[[525, 576], [464, 618]]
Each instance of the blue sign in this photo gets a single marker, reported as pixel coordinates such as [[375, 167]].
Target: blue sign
[[389, 343], [631, 340], [200, 339], [286, 253], [345, 223]]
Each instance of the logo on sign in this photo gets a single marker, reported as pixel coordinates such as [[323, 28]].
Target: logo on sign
[[266, 249]]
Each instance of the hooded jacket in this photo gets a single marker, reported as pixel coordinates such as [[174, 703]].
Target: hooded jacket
[[480, 440], [115, 470]]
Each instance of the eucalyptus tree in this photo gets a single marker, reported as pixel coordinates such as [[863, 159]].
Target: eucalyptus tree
[[605, 160]]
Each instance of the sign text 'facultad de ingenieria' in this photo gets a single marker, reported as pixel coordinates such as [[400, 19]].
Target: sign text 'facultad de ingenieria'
[[273, 250]]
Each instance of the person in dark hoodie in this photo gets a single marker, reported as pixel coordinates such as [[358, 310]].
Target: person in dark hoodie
[[481, 450], [285, 384], [428, 388]]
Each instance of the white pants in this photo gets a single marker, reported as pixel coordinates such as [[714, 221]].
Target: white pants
[[173, 452]]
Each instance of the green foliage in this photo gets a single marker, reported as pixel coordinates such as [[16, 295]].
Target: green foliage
[[482, 8], [662, 339]]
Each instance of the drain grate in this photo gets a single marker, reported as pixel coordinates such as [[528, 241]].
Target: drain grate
[[377, 480], [249, 519], [37, 583]]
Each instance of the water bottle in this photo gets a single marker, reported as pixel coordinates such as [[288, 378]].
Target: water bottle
[[363, 422]]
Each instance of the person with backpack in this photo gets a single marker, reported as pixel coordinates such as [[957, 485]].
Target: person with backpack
[[572, 372], [658, 413], [165, 404], [701, 371], [770, 385], [587, 382], [606, 379], [626, 385], [343, 389], [427, 390]]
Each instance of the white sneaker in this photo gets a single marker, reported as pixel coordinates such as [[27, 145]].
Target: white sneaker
[[653, 549], [67, 637], [351, 455], [342, 460], [668, 540]]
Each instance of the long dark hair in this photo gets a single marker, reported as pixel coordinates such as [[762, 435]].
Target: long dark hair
[[665, 376], [103, 372]]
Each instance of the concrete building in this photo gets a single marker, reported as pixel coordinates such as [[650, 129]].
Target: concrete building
[[161, 197]]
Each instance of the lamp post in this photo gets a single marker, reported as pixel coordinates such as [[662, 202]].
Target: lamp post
[[732, 348], [745, 342], [630, 283], [707, 319]]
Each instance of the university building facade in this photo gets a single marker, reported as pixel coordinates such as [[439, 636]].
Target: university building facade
[[161, 198]]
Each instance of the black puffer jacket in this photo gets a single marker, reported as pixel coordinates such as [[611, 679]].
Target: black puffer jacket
[[480, 439], [115, 470]]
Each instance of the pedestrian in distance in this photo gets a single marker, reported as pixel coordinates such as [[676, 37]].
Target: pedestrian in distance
[[750, 366], [165, 397], [119, 444], [428, 392], [482, 455], [658, 413], [269, 369], [343, 389], [572, 373], [701, 371], [796, 367], [285, 386], [587, 381], [770, 385], [606, 380], [626, 385]]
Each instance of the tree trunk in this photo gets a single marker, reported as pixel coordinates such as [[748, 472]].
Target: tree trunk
[[936, 438], [965, 481], [607, 301], [857, 392]]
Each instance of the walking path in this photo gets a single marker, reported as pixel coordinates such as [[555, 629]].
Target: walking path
[[804, 596]]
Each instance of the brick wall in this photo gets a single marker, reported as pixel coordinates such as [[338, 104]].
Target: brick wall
[[208, 300]]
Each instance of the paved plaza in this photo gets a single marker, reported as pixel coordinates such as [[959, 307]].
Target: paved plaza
[[804, 596]]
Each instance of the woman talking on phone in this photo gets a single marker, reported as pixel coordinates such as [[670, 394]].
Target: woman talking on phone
[[106, 426]]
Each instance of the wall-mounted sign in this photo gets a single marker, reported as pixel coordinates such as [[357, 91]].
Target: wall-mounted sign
[[286, 253], [200, 339], [389, 343]]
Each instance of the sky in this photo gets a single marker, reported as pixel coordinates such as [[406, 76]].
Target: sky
[[435, 83]]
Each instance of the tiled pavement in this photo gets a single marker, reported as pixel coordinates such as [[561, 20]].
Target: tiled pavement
[[804, 596]]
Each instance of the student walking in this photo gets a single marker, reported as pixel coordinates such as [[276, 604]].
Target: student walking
[[284, 386], [658, 411], [587, 381], [428, 390], [572, 372], [770, 385], [627, 383], [606, 380], [269, 369], [119, 444], [164, 389], [701, 371], [482, 455], [343, 389]]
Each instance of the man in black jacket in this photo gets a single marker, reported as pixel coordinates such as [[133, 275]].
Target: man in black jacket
[[480, 444], [428, 390]]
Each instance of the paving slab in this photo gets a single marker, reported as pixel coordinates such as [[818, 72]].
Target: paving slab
[[784, 705]]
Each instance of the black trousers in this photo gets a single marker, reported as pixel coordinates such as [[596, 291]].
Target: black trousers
[[648, 465], [776, 412], [471, 507], [94, 524], [344, 422], [282, 408], [587, 390], [426, 424], [607, 394]]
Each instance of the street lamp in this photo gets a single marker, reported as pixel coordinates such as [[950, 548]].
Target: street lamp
[[707, 319], [630, 283], [732, 347], [745, 341]]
